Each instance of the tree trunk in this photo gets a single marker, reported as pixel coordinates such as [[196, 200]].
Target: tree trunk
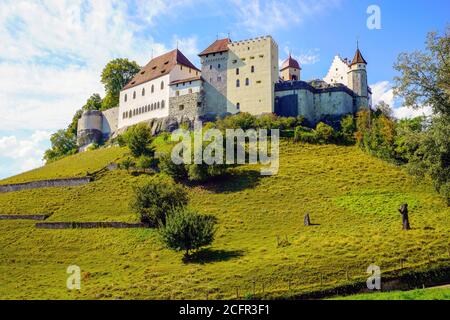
[[405, 218]]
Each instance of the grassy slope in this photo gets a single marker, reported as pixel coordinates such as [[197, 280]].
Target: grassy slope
[[421, 294], [351, 196]]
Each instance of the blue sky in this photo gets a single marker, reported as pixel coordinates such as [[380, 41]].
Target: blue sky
[[52, 51]]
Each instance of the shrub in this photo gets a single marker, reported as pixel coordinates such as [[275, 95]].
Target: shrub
[[187, 230], [139, 139], [154, 199], [127, 164], [303, 134], [324, 133], [239, 121], [348, 129], [145, 162], [177, 171]]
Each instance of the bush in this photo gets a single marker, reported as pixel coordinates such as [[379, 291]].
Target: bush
[[348, 129], [177, 171], [239, 121], [127, 164], [145, 162], [324, 133], [157, 197], [139, 140], [187, 230], [304, 134]]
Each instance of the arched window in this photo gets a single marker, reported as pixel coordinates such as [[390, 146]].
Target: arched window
[[162, 85], [153, 88], [253, 69], [157, 106], [134, 95], [247, 81], [134, 112], [162, 104], [237, 71], [238, 83], [218, 66], [238, 106], [143, 91], [130, 114], [126, 98]]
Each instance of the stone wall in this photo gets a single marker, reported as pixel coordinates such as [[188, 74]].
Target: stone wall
[[89, 225], [24, 216], [110, 122], [71, 182], [188, 106], [215, 82]]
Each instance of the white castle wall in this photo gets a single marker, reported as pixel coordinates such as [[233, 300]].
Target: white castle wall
[[338, 72]]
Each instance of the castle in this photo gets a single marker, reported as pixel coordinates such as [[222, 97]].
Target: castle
[[241, 76]]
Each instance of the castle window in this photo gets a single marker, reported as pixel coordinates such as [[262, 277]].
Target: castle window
[[157, 106], [247, 81], [253, 69], [123, 115], [181, 67], [218, 66], [190, 70], [134, 95], [237, 71], [162, 85], [153, 88], [238, 83], [219, 79], [238, 106], [152, 106], [259, 81], [143, 91], [130, 114], [181, 107], [126, 98], [234, 61], [210, 67], [162, 104], [190, 90], [177, 93], [196, 73]]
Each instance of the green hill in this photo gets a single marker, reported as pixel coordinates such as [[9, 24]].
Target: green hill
[[351, 197]]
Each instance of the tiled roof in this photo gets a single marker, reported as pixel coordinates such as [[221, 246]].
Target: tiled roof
[[358, 58], [186, 80], [290, 63], [160, 66], [216, 47]]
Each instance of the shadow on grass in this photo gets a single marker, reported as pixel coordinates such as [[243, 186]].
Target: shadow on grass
[[234, 181], [208, 255]]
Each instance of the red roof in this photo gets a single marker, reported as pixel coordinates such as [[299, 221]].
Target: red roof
[[290, 63], [216, 47], [186, 80], [358, 58], [160, 66]]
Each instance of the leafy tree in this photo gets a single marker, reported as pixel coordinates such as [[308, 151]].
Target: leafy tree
[[154, 199], [177, 171], [348, 129], [187, 230], [145, 162], [63, 144], [324, 133], [139, 140], [384, 109], [127, 163], [116, 74]]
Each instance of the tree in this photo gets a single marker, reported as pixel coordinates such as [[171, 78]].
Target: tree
[[93, 103], [63, 144], [385, 109], [424, 80], [187, 230], [116, 74], [156, 198], [127, 163], [324, 132], [348, 128], [139, 140]]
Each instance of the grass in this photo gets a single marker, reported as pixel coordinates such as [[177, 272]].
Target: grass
[[419, 294], [351, 197]]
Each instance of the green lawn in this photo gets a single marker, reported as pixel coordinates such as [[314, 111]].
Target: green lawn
[[351, 197], [421, 294]]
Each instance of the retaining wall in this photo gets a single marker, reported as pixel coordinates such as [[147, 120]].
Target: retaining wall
[[89, 225], [70, 182], [24, 216]]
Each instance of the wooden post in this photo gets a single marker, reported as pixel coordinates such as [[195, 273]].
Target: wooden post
[[237, 293]]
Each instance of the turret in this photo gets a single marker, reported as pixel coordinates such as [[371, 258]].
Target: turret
[[290, 70], [357, 80]]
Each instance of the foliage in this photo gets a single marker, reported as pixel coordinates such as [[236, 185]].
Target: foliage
[[187, 230], [63, 144], [116, 74], [139, 140], [155, 198], [127, 164], [145, 162], [177, 171], [324, 133], [348, 129]]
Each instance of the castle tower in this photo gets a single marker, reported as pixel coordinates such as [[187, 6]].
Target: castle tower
[[290, 69], [357, 80]]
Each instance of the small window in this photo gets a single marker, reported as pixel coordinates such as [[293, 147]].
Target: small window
[[219, 79], [163, 104], [177, 93], [153, 88], [259, 81], [134, 95], [181, 107], [210, 67], [237, 71], [130, 114], [247, 81], [181, 67], [238, 106], [143, 91], [234, 61], [152, 107], [157, 106], [162, 85], [218, 66], [196, 73], [126, 98], [190, 90], [253, 69], [238, 83]]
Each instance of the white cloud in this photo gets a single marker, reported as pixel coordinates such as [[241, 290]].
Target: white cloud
[[22, 154], [305, 57], [382, 91], [189, 47], [267, 16]]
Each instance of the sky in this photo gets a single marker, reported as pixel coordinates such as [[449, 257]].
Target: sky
[[52, 51]]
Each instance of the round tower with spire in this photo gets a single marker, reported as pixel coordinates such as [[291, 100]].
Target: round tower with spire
[[290, 69], [357, 80]]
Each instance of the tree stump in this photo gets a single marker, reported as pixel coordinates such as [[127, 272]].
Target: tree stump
[[405, 219], [307, 220]]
